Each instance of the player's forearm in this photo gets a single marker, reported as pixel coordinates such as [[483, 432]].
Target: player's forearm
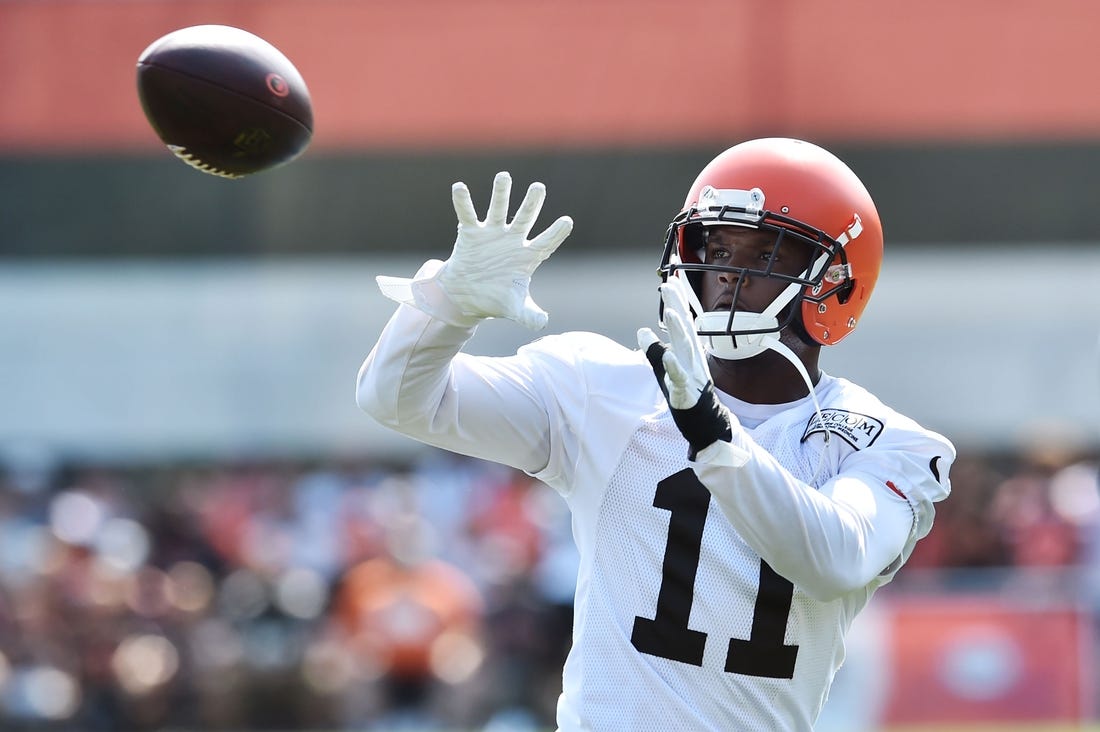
[[403, 379], [827, 547], [417, 382]]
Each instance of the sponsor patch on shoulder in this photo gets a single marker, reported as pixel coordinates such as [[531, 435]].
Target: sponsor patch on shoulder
[[857, 429]]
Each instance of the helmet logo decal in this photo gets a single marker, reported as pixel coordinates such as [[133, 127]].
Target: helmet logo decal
[[853, 231]]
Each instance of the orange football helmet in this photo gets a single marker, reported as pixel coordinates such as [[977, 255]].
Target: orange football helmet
[[799, 190]]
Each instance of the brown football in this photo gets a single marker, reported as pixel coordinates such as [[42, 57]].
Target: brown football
[[225, 101]]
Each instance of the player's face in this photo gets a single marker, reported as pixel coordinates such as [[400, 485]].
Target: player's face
[[736, 246]]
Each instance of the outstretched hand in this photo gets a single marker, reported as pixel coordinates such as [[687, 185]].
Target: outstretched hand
[[488, 274], [682, 373]]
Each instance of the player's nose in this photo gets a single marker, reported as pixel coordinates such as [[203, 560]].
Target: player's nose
[[732, 278]]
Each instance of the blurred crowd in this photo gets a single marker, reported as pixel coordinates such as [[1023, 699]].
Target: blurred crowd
[[1034, 508], [277, 595], [357, 595]]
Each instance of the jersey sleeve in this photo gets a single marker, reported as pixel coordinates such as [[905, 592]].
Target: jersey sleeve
[[560, 402], [416, 381], [913, 464], [527, 411], [853, 532]]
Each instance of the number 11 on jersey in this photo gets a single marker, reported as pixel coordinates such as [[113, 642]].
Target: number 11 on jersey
[[667, 635]]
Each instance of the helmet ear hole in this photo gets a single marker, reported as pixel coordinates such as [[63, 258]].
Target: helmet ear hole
[[845, 291]]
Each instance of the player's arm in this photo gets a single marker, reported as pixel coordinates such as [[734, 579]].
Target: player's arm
[[828, 542], [831, 541], [416, 381]]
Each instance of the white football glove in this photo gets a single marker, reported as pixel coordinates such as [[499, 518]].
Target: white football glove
[[683, 375], [685, 363], [488, 274]]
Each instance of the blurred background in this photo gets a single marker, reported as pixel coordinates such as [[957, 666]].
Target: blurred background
[[200, 531]]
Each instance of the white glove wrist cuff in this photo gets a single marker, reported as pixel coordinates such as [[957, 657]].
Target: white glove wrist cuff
[[424, 293], [724, 453]]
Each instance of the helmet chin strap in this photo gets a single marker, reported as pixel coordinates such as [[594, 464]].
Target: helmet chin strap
[[783, 350], [735, 348]]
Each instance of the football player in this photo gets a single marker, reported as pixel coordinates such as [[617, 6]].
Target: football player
[[734, 506]]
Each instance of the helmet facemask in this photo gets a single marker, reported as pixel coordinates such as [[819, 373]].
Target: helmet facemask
[[736, 334]]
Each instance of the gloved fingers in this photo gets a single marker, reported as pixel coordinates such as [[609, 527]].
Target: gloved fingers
[[679, 380], [681, 330], [498, 204], [679, 360], [464, 205], [529, 208], [680, 335], [674, 295], [646, 338], [548, 241], [532, 316], [689, 351]]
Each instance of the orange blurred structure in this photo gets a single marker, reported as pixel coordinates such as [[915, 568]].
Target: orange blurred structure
[[384, 74], [983, 659]]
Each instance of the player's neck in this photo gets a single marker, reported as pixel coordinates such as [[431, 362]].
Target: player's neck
[[765, 379]]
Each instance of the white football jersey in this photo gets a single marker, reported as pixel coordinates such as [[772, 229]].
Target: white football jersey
[[679, 623]]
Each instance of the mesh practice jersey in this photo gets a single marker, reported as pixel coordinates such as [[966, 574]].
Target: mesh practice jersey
[[708, 597]]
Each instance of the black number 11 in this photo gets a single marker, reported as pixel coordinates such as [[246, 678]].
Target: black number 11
[[667, 635]]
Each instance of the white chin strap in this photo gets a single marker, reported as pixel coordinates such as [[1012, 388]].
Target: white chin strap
[[735, 348]]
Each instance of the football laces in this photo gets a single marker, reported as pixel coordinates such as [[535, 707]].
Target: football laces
[[181, 152]]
